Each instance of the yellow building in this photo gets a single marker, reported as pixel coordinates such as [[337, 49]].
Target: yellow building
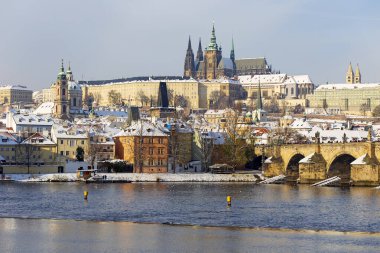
[[68, 139], [13, 94], [36, 154], [140, 93]]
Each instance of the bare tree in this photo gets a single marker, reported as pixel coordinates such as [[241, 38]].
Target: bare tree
[[376, 111], [144, 99], [272, 106], [114, 97], [219, 100], [181, 100], [206, 146], [236, 141], [364, 108]]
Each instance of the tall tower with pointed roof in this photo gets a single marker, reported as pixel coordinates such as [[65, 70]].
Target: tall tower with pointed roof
[[61, 103], [211, 56], [358, 76], [232, 55], [350, 74], [189, 68], [199, 52]]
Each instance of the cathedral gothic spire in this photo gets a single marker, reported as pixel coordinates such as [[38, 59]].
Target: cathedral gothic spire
[[189, 67], [199, 52], [232, 54]]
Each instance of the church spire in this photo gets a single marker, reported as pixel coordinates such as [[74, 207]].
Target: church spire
[[61, 74], [358, 76], [213, 45], [189, 45], [350, 74], [232, 54], [189, 67], [199, 52]]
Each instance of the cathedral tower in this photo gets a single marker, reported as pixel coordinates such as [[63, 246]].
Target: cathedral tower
[[350, 74], [358, 76], [189, 69], [199, 52], [212, 53], [61, 104]]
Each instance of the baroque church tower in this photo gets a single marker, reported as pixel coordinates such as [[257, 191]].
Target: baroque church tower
[[60, 89]]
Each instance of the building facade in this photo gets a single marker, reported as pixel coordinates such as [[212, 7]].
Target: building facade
[[346, 98], [14, 94], [281, 86], [145, 146]]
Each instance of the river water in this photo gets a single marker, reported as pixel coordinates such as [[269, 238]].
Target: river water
[[277, 218]]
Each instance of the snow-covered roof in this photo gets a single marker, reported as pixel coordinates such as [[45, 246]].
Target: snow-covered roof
[[361, 160], [341, 86], [274, 79], [69, 132], [142, 128], [72, 85], [33, 119], [308, 158], [7, 139], [13, 87], [336, 135], [300, 124], [44, 108], [38, 139]]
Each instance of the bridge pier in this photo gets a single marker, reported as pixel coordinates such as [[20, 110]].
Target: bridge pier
[[312, 169], [365, 171], [273, 166]]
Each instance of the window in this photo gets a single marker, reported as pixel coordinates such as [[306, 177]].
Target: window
[[161, 140], [62, 153], [74, 101], [67, 152], [150, 151], [160, 162], [160, 151], [151, 163], [150, 140], [63, 92], [82, 142], [292, 91]]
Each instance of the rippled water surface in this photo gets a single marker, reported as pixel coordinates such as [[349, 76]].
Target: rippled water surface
[[274, 206]]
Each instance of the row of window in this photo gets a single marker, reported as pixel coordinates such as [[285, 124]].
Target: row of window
[[72, 143], [160, 151], [159, 162]]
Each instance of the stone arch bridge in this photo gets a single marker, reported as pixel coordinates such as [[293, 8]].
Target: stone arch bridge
[[356, 163]]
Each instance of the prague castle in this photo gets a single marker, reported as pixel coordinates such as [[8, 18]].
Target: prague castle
[[212, 65]]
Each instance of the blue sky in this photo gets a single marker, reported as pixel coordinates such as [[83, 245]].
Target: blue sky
[[105, 39]]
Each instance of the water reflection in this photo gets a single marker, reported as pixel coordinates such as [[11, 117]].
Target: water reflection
[[82, 236]]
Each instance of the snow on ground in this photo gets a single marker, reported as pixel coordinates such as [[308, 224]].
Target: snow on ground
[[143, 177]]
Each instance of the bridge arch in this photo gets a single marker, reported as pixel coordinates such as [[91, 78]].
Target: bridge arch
[[292, 168], [340, 166]]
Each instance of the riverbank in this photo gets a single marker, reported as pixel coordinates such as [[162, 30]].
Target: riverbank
[[142, 177]]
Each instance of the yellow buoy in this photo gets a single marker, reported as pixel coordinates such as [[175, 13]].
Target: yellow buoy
[[228, 200], [85, 194]]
